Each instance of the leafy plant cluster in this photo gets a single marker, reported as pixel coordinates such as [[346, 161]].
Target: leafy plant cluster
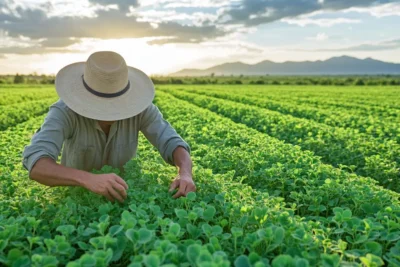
[[260, 202], [13, 114], [345, 148], [377, 126]]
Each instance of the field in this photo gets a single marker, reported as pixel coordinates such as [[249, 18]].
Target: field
[[285, 175]]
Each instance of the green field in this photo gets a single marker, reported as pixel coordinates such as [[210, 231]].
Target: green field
[[286, 176]]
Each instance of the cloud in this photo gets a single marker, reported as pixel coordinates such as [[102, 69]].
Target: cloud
[[160, 16], [319, 37], [305, 21], [122, 4], [378, 46], [31, 50], [108, 24], [390, 9], [186, 3], [252, 13]]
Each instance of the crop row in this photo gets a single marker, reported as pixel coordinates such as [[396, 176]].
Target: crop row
[[315, 190], [330, 102], [337, 146], [327, 103], [348, 95], [11, 115], [241, 226], [9, 98], [382, 128]]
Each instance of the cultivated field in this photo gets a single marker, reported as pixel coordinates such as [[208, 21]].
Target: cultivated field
[[286, 176]]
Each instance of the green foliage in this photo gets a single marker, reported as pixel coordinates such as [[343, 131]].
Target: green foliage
[[19, 79], [260, 201], [343, 148]]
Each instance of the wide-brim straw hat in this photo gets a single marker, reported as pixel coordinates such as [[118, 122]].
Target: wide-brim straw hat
[[104, 87]]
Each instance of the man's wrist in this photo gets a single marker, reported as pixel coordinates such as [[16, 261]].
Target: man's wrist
[[82, 178]]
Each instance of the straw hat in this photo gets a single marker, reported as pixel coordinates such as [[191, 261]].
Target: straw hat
[[104, 87]]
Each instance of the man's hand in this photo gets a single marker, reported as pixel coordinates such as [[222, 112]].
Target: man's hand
[[184, 183], [109, 185]]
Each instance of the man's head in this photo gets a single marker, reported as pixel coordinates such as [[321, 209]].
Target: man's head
[[104, 88]]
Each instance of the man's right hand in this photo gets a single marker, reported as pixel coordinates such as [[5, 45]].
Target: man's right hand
[[109, 185]]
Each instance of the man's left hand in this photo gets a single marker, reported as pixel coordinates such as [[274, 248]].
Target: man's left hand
[[184, 183]]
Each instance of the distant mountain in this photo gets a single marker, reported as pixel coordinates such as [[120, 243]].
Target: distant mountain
[[343, 65]]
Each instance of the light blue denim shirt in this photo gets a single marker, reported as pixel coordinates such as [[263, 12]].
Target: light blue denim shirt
[[87, 147]]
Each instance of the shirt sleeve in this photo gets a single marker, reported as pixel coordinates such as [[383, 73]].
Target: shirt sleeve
[[160, 133], [48, 140]]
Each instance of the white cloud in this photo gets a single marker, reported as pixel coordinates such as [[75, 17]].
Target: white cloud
[[391, 9], [186, 3], [305, 21], [159, 16], [319, 37]]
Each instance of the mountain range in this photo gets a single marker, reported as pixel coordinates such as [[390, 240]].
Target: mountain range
[[343, 65]]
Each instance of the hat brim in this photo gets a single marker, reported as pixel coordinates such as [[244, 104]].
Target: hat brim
[[71, 90]]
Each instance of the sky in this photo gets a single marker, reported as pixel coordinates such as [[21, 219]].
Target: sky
[[164, 36]]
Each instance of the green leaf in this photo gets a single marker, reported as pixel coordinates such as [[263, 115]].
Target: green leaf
[[23, 261], [209, 213], [371, 260], [254, 257], [242, 261], [115, 229], [14, 254], [3, 244], [279, 233], [236, 232], [127, 220], [66, 230], [300, 262], [44, 261], [283, 261], [87, 260], [373, 248], [330, 260], [191, 196], [206, 229], [132, 235], [216, 230], [181, 213], [152, 261], [174, 229], [193, 230], [193, 252], [145, 235]]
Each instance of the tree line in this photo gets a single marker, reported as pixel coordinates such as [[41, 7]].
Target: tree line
[[360, 80]]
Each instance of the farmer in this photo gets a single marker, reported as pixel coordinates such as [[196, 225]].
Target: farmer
[[103, 105]]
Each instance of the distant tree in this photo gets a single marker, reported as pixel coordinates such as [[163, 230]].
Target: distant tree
[[359, 82], [176, 81], [212, 75], [19, 78]]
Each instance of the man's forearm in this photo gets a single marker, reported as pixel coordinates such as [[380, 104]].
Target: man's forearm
[[46, 171], [183, 161]]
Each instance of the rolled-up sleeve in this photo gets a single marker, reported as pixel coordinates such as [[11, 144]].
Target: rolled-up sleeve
[[48, 140], [160, 133]]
